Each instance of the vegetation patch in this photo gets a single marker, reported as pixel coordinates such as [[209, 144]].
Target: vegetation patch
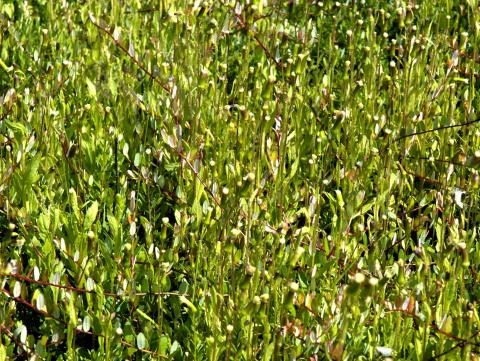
[[239, 180]]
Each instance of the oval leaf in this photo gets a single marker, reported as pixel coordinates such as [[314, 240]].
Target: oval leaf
[[90, 216], [41, 302], [86, 323], [141, 341], [17, 289], [36, 273], [90, 284], [92, 90]]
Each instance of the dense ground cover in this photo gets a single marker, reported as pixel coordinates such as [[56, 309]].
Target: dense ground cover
[[239, 180]]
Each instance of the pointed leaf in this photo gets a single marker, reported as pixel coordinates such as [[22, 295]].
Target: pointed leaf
[[92, 90], [90, 216]]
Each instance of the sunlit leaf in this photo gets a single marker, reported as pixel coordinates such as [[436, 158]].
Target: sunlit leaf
[[90, 216], [36, 273], [141, 341], [92, 89], [17, 289], [86, 323], [90, 286], [21, 332]]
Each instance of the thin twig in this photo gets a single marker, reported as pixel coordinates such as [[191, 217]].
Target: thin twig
[[195, 173], [122, 47], [78, 290], [435, 160], [439, 128], [459, 344], [259, 42], [435, 328]]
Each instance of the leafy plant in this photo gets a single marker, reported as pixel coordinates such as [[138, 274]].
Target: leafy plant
[[239, 180]]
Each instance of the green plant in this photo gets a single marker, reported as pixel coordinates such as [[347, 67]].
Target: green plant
[[239, 180]]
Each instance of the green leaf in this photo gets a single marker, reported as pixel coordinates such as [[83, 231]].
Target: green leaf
[[115, 230], [17, 289], [90, 216], [125, 151], [72, 312], [92, 90], [147, 317], [74, 204], [43, 223], [86, 323], [141, 341], [269, 352], [3, 353], [21, 333], [175, 345], [17, 127], [189, 304], [197, 209], [112, 85], [293, 169], [90, 284], [137, 160], [36, 273], [164, 345], [41, 302], [56, 220], [31, 173]]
